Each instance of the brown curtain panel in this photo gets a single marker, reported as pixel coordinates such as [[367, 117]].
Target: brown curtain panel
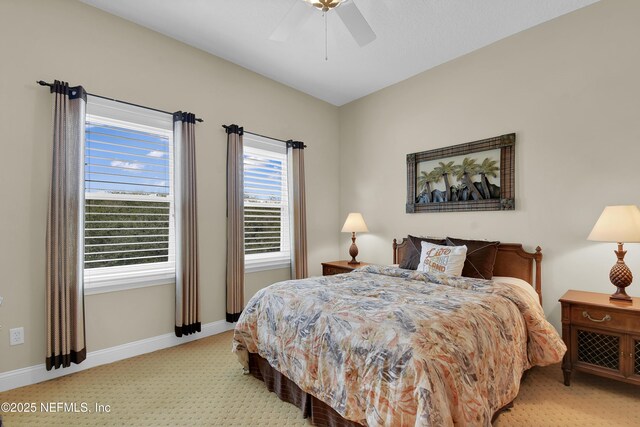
[[186, 225], [298, 210], [235, 223], [65, 230]]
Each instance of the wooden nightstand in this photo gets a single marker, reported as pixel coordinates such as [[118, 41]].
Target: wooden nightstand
[[339, 267], [602, 336]]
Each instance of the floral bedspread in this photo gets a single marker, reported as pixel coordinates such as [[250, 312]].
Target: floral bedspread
[[385, 346]]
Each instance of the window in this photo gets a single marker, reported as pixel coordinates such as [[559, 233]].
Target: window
[[266, 204], [129, 212]]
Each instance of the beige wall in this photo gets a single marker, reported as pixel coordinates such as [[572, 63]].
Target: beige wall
[[109, 56], [570, 91]]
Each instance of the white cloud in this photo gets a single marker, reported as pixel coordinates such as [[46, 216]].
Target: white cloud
[[155, 154], [128, 165]]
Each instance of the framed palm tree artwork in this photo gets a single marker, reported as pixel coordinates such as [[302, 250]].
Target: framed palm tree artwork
[[474, 176]]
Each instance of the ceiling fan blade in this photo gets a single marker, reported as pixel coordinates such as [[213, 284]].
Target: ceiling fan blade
[[299, 13], [355, 23]]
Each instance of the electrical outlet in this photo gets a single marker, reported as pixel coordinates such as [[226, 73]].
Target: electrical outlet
[[16, 336]]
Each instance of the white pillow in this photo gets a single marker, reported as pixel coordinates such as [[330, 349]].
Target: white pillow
[[442, 259]]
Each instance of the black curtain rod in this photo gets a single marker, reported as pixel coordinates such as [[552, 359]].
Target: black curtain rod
[[43, 83], [265, 136]]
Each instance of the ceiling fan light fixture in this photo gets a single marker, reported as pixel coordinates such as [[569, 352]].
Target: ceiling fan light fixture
[[325, 5]]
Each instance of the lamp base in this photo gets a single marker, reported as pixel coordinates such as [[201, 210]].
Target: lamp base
[[620, 295], [353, 250], [620, 276]]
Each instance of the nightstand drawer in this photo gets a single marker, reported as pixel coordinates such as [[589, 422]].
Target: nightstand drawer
[[596, 317], [329, 271], [339, 267]]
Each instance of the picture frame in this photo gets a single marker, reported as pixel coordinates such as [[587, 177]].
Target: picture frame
[[444, 179]]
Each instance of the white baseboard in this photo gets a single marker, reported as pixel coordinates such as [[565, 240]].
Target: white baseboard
[[38, 373]]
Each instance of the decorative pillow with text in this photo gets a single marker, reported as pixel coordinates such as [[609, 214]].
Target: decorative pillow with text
[[414, 248], [442, 259]]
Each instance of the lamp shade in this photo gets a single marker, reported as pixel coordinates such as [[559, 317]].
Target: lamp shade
[[355, 224], [617, 224]]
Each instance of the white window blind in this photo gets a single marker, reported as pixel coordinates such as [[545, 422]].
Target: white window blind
[[129, 212], [266, 204]]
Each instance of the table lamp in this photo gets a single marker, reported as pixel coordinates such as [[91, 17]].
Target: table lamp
[[620, 224], [354, 224]]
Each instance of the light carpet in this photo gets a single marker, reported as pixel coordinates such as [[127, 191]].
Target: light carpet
[[201, 384]]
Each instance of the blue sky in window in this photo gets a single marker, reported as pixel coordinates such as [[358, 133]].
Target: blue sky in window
[[122, 160], [263, 178]]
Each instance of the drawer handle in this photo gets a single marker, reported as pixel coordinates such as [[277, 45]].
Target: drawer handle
[[604, 319]]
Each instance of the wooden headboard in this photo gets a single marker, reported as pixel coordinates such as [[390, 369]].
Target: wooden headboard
[[511, 261]]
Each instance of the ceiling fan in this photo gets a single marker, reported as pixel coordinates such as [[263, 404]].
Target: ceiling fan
[[347, 10]]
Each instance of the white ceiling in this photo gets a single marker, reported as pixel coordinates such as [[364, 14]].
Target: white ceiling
[[412, 36]]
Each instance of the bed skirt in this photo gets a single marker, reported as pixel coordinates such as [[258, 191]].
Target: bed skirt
[[321, 414]]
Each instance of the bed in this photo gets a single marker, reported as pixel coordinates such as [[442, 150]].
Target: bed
[[386, 346]]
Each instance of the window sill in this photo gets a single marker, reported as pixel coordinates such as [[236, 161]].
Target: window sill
[[266, 263], [107, 284]]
